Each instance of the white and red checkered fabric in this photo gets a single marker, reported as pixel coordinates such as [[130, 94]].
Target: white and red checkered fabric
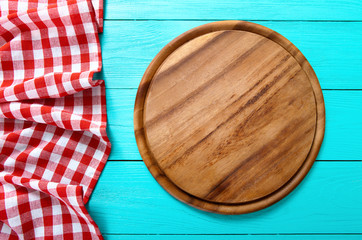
[[19, 6], [53, 142]]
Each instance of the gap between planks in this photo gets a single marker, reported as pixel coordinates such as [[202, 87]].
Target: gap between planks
[[231, 234], [140, 160], [216, 19], [324, 89]]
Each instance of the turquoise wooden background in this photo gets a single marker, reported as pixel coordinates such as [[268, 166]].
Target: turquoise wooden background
[[128, 203]]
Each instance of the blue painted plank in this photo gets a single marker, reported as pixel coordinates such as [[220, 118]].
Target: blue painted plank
[[343, 136], [127, 200], [334, 49], [239, 9], [233, 237]]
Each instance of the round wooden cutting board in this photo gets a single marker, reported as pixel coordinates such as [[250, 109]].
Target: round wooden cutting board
[[229, 117]]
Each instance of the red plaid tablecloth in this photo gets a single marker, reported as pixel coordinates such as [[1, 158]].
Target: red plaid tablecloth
[[20, 6], [53, 142]]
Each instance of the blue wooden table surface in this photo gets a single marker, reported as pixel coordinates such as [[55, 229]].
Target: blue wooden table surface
[[129, 204]]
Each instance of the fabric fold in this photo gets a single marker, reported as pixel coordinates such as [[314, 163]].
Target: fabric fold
[[53, 139]]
